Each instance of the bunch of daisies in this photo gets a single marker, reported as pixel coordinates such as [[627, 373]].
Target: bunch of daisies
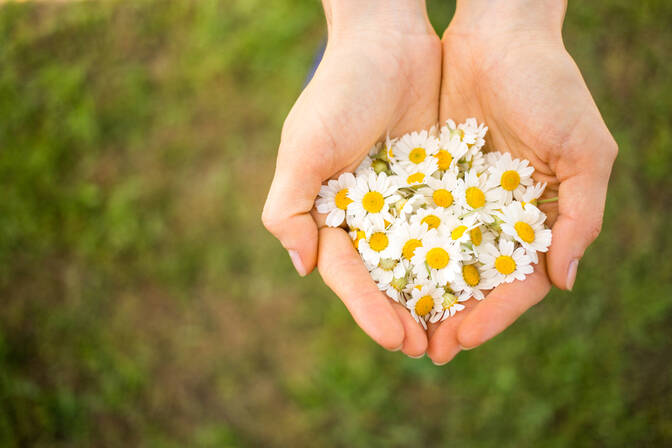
[[437, 220]]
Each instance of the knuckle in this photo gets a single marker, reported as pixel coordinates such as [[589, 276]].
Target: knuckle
[[595, 228], [271, 221]]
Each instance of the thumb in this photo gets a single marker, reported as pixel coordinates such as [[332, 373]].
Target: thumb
[[581, 208]]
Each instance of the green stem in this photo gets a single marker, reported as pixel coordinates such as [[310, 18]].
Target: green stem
[[545, 201]]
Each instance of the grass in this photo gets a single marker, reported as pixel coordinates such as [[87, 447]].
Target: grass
[[143, 304]]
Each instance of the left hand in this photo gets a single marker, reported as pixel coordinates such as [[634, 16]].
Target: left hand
[[504, 63]]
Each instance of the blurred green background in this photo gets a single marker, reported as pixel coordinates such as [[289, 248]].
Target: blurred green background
[[143, 304]]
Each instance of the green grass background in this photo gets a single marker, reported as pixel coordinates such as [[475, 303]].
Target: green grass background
[[143, 304]]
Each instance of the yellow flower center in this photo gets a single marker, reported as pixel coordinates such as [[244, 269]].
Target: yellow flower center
[[505, 264], [409, 248], [444, 158], [424, 305], [457, 232], [524, 231], [476, 236], [417, 155], [442, 198], [342, 200], [432, 221], [470, 275], [378, 241], [390, 154], [415, 178], [373, 202], [475, 197], [358, 236], [510, 180], [437, 258]]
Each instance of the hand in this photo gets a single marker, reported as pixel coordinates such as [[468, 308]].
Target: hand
[[507, 66], [381, 72]]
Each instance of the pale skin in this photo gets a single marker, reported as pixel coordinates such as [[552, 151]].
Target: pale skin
[[385, 70]]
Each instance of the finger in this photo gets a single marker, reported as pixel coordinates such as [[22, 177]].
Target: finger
[[502, 306], [443, 343], [344, 272], [295, 186], [415, 339], [581, 207]]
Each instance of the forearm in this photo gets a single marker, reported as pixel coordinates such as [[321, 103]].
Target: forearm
[[400, 16], [509, 16]]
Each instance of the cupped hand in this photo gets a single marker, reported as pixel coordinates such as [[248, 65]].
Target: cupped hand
[[380, 73], [510, 70]]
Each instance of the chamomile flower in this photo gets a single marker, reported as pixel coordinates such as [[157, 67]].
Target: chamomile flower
[[479, 237], [416, 148], [333, 199], [526, 225], [451, 149], [475, 195], [425, 302], [438, 258], [450, 305], [388, 269], [414, 175], [432, 216], [371, 198], [404, 208], [356, 235], [474, 133], [409, 237], [377, 246], [457, 229], [510, 177], [503, 264], [470, 282], [532, 193], [395, 286], [441, 192]]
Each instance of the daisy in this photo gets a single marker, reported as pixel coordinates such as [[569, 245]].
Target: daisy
[[470, 282], [356, 235], [503, 264], [387, 270], [510, 177], [404, 208], [451, 148], [333, 199], [476, 196], [456, 229], [526, 225], [409, 237], [425, 303], [441, 192], [398, 285], [438, 257], [479, 237], [371, 198], [450, 304], [433, 217], [377, 246], [532, 193], [416, 148], [473, 133], [414, 175]]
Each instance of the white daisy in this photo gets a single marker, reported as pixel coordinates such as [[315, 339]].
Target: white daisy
[[479, 237], [409, 237], [510, 177], [333, 199], [526, 225], [398, 286], [416, 148], [414, 175], [438, 257], [378, 246], [404, 208], [387, 270], [474, 133], [532, 193], [503, 264], [425, 303], [470, 282], [441, 192], [450, 305], [432, 216], [451, 148], [371, 198], [356, 235], [475, 195], [457, 229]]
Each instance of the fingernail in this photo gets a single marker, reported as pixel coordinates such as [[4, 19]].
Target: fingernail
[[571, 273], [298, 264], [439, 364], [466, 349], [417, 357]]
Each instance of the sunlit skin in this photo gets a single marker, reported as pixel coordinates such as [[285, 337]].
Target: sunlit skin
[[503, 63]]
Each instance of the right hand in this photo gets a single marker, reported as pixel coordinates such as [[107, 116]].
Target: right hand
[[381, 73]]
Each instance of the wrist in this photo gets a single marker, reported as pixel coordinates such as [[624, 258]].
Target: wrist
[[511, 17], [407, 17]]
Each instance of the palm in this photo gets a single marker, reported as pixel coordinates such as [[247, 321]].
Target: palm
[[537, 106]]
